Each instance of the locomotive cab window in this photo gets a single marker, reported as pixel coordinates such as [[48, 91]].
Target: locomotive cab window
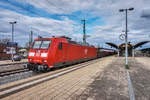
[[44, 44], [36, 45], [60, 46]]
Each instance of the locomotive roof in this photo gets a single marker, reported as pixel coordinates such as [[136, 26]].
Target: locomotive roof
[[68, 40]]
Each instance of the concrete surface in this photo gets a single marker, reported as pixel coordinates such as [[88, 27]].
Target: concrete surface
[[103, 80]]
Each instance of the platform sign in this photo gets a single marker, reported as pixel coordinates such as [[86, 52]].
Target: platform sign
[[11, 50]]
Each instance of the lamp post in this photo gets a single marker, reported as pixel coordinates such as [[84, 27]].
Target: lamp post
[[126, 36], [12, 23]]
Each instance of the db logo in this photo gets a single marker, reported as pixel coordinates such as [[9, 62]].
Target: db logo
[[85, 51], [38, 53]]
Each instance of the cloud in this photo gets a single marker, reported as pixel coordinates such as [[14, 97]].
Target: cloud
[[106, 28], [146, 13], [63, 6], [39, 25]]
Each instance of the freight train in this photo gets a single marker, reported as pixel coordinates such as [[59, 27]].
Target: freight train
[[46, 53]]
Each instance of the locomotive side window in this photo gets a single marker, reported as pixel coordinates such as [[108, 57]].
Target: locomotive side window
[[60, 46], [36, 45], [45, 44]]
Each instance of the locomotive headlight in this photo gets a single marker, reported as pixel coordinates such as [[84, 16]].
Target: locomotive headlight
[[30, 60], [44, 60], [31, 54], [43, 54]]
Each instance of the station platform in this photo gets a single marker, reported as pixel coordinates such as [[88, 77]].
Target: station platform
[[103, 80], [8, 62]]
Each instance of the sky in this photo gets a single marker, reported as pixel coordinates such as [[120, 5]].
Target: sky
[[104, 22]]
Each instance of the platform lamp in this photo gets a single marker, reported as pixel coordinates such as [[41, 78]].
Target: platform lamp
[[12, 23], [126, 36]]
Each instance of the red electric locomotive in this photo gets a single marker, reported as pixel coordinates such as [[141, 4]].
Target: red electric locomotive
[[47, 53]]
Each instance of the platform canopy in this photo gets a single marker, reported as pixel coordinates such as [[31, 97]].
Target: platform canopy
[[140, 44], [112, 45], [121, 46]]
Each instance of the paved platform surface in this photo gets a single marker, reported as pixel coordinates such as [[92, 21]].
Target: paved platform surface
[[103, 80], [111, 84], [140, 76]]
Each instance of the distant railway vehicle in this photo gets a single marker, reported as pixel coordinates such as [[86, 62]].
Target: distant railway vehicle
[[53, 52], [103, 52]]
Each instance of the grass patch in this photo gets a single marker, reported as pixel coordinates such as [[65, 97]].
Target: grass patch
[[127, 67]]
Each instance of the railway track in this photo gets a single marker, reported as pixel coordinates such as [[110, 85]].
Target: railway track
[[10, 72], [11, 67], [13, 63], [6, 91]]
